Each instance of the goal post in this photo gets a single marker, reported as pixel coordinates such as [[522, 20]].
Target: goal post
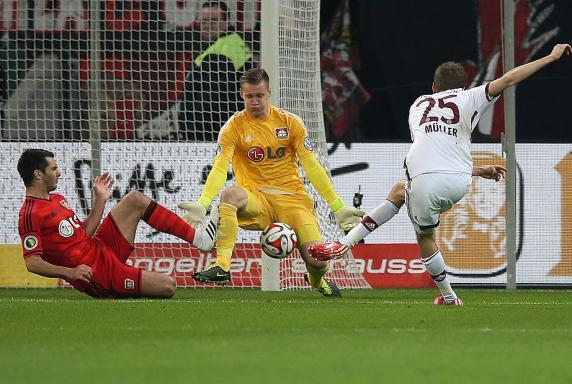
[[270, 60]]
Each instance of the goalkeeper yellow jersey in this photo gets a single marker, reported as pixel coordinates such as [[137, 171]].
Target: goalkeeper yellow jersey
[[265, 152]]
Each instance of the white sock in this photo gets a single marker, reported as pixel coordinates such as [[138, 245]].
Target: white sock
[[435, 265], [376, 217]]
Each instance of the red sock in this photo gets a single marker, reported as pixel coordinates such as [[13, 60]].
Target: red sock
[[169, 222]]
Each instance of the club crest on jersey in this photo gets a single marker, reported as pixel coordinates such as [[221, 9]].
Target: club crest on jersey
[[255, 154], [129, 284], [282, 133], [30, 242], [308, 144], [64, 202], [65, 228]]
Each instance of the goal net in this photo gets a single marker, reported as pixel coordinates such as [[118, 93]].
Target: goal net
[[141, 89]]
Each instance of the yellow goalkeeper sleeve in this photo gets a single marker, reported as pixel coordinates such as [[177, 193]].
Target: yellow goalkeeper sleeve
[[320, 180], [215, 181]]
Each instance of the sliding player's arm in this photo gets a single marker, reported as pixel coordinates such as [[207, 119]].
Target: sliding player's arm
[[39, 266], [518, 74]]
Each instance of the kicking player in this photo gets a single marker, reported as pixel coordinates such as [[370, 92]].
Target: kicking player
[[89, 256], [265, 144], [438, 165]]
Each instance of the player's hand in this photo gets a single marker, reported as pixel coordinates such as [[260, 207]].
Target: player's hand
[[348, 217], [81, 272], [103, 186], [195, 212], [495, 172], [560, 50]]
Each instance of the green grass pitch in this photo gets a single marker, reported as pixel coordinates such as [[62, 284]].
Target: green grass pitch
[[248, 336]]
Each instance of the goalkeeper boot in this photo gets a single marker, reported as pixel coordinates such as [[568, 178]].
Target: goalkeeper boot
[[205, 234], [327, 288], [327, 251], [440, 300], [213, 274]]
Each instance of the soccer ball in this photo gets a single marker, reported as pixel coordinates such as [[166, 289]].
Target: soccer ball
[[278, 240]]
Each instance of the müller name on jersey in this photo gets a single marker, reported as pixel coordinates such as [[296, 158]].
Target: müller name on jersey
[[441, 128]]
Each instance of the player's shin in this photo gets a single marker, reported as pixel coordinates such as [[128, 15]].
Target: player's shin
[[435, 265], [315, 275], [167, 221], [226, 235], [373, 219]]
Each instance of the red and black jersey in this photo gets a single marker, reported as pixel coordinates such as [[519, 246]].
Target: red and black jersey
[[49, 228]]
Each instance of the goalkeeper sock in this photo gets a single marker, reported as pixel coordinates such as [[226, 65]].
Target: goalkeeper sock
[[167, 221], [435, 265], [315, 275], [376, 217], [226, 235]]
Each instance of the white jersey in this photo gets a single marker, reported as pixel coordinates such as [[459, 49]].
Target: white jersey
[[441, 125]]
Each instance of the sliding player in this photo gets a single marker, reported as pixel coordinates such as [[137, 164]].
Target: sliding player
[[89, 256]]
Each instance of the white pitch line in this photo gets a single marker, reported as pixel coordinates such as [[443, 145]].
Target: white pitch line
[[365, 329]]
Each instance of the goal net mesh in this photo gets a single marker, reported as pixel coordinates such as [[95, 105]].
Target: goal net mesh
[[126, 90]]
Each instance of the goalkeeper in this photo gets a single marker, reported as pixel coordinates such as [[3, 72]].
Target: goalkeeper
[[265, 144]]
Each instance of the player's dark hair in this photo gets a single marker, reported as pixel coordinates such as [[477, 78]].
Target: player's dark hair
[[31, 160], [220, 4], [254, 76], [449, 75]]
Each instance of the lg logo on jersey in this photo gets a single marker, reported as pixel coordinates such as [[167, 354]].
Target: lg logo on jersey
[[257, 154], [66, 227]]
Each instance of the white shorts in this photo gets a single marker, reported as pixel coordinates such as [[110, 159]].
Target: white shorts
[[430, 194]]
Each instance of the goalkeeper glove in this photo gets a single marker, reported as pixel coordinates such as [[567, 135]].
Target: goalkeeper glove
[[195, 212], [348, 217]]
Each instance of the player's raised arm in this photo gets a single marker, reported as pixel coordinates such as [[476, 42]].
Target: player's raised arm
[[518, 74], [102, 189]]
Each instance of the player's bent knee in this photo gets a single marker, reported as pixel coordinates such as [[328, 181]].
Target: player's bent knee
[[234, 196], [170, 287], [154, 284], [136, 199]]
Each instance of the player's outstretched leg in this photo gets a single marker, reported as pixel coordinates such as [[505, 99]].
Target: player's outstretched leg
[[370, 222], [164, 220]]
